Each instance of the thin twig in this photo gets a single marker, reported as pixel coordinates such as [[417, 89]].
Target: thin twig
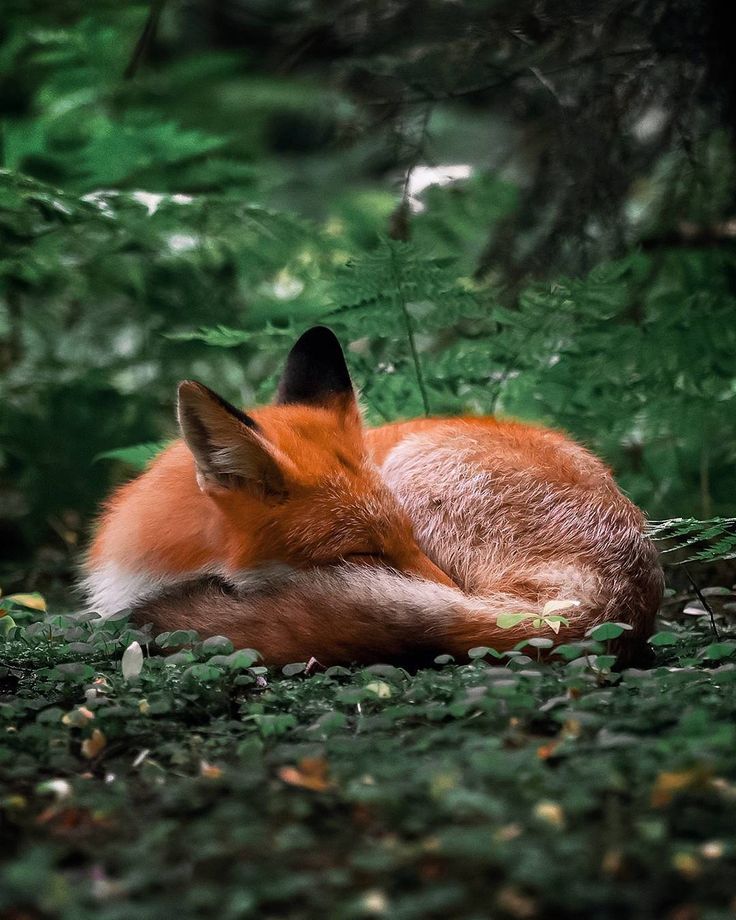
[[399, 226], [704, 602], [400, 230], [511, 363], [14, 666], [409, 332], [144, 39], [506, 79]]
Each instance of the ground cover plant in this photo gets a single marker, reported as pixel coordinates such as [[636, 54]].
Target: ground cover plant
[[200, 784], [512, 207]]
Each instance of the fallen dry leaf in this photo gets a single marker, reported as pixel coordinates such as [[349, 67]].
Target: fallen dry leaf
[[669, 784], [311, 773], [380, 688], [509, 832], [209, 770], [94, 745], [374, 902], [612, 862], [514, 902], [68, 821], [78, 717], [550, 812], [686, 864], [31, 601], [545, 751]]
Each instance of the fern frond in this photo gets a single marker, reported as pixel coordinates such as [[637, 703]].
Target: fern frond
[[718, 533], [137, 456], [226, 337]]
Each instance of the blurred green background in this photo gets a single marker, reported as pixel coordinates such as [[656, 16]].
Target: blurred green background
[[526, 208]]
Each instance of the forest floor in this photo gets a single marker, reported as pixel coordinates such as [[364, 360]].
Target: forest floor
[[199, 784]]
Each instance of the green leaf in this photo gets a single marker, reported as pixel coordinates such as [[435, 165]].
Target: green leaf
[[572, 650], [176, 638], [509, 620], [217, 645], [663, 639], [7, 625], [138, 455], [719, 650], [481, 651], [540, 642], [291, 670], [680, 533], [219, 336], [243, 658], [606, 631], [74, 670], [202, 672]]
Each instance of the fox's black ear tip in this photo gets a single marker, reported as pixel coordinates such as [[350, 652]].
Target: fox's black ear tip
[[315, 369], [318, 337], [317, 330], [318, 345]]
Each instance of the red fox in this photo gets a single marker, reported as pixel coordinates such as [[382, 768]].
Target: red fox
[[294, 530]]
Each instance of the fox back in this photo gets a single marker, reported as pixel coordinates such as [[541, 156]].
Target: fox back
[[516, 509]]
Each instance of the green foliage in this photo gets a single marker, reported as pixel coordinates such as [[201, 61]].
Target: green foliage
[[89, 286], [185, 210], [74, 120], [413, 789], [606, 631], [634, 359], [719, 535], [137, 457], [663, 638]]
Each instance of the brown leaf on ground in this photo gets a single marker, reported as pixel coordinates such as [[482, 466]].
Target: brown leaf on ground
[[311, 773], [669, 784], [72, 821], [94, 745]]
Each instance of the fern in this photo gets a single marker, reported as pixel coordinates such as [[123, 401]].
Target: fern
[[399, 301], [718, 535], [137, 456], [403, 297], [226, 337], [374, 287]]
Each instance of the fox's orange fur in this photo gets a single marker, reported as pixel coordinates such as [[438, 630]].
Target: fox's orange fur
[[294, 531]]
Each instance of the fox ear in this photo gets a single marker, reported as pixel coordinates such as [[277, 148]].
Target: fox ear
[[316, 373], [229, 448]]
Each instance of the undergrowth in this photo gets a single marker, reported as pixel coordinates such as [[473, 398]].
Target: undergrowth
[[199, 784]]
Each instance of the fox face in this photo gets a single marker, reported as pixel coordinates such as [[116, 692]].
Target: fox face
[[293, 482]]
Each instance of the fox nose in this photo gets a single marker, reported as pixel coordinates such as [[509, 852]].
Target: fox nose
[[421, 565]]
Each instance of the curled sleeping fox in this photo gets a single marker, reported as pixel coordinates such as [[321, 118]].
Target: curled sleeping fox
[[294, 530]]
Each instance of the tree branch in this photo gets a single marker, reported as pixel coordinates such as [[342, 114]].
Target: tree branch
[[144, 39]]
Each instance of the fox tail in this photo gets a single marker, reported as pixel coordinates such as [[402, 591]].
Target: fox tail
[[351, 613]]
